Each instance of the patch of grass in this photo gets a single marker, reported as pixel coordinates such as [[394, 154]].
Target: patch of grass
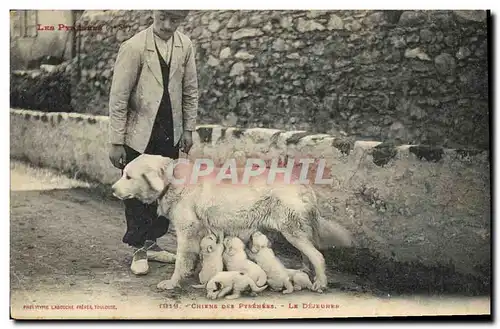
[[41, 178]]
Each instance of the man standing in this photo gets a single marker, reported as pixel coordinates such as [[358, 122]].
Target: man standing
[[152, 109]]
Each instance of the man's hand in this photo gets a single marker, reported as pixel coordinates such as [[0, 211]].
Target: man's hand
[[117, 155], [186, 141]]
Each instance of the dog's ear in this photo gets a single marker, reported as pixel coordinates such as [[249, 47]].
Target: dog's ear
[[220, 237], [251, 246], [250, 243], [269, 244], [155, 182]]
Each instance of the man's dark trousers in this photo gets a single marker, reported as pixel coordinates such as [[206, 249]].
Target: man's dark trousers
[[143, 222]]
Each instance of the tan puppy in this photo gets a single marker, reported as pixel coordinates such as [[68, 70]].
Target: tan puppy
[[238, 282], [261, 253], [299, 279], [211, 249], [236, 259]]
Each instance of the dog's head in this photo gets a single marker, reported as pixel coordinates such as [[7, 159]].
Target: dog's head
[[144, 178], [233, 245], [259, 241], [213, 287], [208, 243]]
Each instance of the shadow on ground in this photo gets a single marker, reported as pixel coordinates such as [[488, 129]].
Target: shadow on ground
[[93, 216], [381, 276]]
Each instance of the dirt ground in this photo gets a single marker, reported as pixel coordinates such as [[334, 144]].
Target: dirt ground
[[66, 251]]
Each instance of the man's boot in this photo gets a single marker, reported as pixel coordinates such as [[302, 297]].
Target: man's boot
[[157, 254], [139, 264]]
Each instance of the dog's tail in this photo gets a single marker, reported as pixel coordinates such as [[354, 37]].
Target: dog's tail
[[255, 288], [199, 286], [261, 280], [328, 233], [303, 279]]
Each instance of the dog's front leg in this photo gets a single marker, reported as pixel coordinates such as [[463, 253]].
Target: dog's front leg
[[188, 249], [306, 264]]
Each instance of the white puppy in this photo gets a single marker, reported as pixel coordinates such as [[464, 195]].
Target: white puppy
[[211, 249], [235, 259], [300, 279], [261, 253], [224, 282]]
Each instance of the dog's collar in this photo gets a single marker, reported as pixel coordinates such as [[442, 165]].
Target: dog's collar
[[163, 192]]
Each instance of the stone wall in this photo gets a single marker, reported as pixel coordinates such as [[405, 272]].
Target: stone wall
[[411, 204], [412, 76]]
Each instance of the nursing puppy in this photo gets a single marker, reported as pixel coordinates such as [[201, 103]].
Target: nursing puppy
[[261, 253], [223, 283], [299, 279], [235, 259], [211, 249]]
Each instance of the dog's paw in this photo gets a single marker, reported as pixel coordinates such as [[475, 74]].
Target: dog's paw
[[212, 295], [319, 285], [167, 285]]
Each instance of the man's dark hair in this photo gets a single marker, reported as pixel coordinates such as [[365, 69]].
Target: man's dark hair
[[178, 13]]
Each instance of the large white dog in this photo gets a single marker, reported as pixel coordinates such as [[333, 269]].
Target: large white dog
[[236, 210]]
